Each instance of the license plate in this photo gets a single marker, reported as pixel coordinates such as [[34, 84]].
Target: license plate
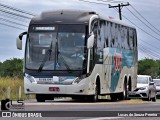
[[54, 89]]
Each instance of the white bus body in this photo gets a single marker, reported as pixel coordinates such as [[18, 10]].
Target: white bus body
[[107, 64]]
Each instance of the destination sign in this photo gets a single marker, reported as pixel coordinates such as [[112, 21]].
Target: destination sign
[[44, 28]]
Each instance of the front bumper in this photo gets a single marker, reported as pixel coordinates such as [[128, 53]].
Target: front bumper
[[80, 88], [158, 93], [138, 94]]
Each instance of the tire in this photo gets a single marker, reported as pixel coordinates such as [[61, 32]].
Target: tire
[[113, 97], [40, 98], [123, 95], [78, 99], [128, 89], [94, 98]]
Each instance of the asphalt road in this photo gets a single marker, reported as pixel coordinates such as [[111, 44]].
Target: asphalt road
[[67, 109], [102, 105]]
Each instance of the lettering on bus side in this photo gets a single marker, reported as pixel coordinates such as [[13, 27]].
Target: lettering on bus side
[[117, 62]]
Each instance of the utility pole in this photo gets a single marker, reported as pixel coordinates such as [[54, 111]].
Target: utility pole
[[120, 6]]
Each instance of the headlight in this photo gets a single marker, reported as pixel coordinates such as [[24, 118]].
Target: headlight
[[142, 88], [30, 78]]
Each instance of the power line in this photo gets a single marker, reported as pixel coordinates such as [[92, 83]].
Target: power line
[[16, 9], [145, 19], [11, 26], [142, 21], [144, 52], [140, 28], [119, 6], [12, 13], [149, 51], [106, 0], [149, 44], [5, 20], [153, 51], [13, 17], [111, 1], [93, 2]]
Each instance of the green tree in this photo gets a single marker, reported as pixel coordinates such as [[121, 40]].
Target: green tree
[[149, 67], [12, 68]]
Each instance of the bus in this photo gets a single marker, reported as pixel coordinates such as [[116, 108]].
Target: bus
[[79, 54]]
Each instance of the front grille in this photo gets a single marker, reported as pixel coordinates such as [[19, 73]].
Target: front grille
[[54, 83], [144, 94], [137, 95]]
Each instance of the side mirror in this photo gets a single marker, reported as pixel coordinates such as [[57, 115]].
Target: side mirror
[[151, 83], [90, 41], [19, 43], [19, 40]]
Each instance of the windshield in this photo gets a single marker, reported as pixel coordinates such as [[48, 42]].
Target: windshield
[[157, 82], [142, 80], [61, 48]]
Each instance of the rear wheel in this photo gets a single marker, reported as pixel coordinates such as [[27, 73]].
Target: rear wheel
[[113, 97], [123, 95]]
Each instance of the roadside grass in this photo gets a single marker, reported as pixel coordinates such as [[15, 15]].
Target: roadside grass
[[14, 84]]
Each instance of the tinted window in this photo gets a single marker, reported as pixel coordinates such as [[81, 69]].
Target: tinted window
[[142, 80]]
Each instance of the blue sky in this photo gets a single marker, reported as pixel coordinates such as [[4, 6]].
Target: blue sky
[[150, 9]]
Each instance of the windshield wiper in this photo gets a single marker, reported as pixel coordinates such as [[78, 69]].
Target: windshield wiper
[[63, 60], [49, 51]]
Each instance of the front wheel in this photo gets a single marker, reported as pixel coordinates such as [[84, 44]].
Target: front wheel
[[40, 98], [94, 98], [43, 97]]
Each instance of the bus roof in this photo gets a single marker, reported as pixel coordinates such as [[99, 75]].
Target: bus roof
[[63, 17], [104, 17], [70, 16]]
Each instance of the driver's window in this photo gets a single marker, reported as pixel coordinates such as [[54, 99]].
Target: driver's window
[[94, 30], [150, 79]]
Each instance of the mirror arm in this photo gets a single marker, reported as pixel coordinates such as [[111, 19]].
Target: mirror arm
[[21, 35]]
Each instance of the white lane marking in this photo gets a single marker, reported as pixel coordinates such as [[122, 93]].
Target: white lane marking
[[102, 118]]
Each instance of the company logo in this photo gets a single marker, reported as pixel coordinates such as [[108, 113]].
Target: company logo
[[62, 78], [117, 62], [6, 114], [12, 105]]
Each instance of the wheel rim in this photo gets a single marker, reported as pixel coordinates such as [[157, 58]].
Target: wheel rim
[[96, 93], [124, 91]]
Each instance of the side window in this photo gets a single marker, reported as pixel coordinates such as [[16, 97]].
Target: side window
[[108, 34], [118, 36], [135, 39], [150, 79], [124, 37], [112, 44], [94, 29], [91, 59], [131, 39]]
